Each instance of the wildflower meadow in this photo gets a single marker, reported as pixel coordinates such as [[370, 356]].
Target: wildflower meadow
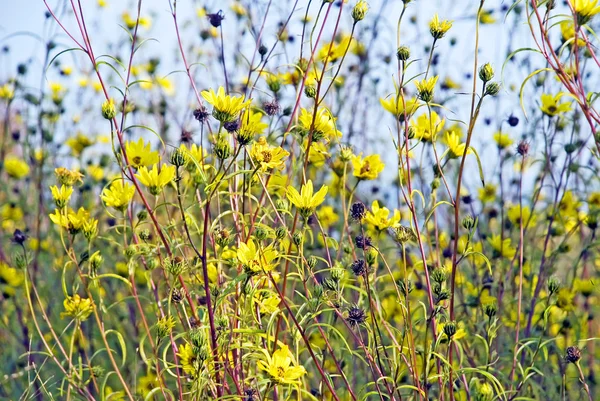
[[310, 200]]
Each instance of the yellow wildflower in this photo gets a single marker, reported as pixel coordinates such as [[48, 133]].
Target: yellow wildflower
[[551, 106], [439, 28], [68, 177], [426, 128], [61, 196], [456, 149], [379, 218], [7, 92], [79, 143], [268, 157], [281, 367], [367, 168], [225, 108], [324, 124], [154, 179], [426, 88], [15, 167], [502, 140], [77, 307], [305, 201], [140, 154], [394, 105], [118, 195], [502, 247], [585, 10], [256, 259]]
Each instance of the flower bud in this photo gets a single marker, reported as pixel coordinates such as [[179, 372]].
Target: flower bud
[[486, 72], [492, 89], [360, 10], [108, 109], [403, 53]]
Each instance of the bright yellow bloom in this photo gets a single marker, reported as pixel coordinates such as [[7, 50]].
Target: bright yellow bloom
[[426, 129], [487, 193], [281, 368], [324, 125], [250, 126], [567, 29], [11, 217], [188, 359], [79, 143], [268, 157], [514, 215], [61, 196], [166, 85], [305, 201], [10, 275], [379, 218], [502, 140], [267, 301], [439, 28], [502, 247], [70, 220], [256, 260], [426, 88], [154, 179], [96, 172], [140, 154], [318, 153], [225, 108], [118, 195], [449, 83], [57, 92], [7, 92], [327, 216], [456, 149], [486, 17], [15, 167], [551, 106], [585, 10], [394, 105], [360, 10], [238, 9], [77, 308], [367, 168]]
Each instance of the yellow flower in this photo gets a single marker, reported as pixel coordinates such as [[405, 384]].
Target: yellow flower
[[166, 84], [502, 140], [565, 299], [238, 9], [280, 366], [486, 17], [487, 193], [7, 92], [456, 149], [367, 168], [567, 29], [394, 105], [11, 216], [360, 10], [327, 216], [305, 201], [61, 196], [10, 275], [188, 359], [77, 307], [118, 195], [502, 247], [551, 106], [439, 28], [68, 177], [71, 220], [256, 260], [449, 83], [225, 108], [250, 126], [426, 129], [317, 155], [267, 301], [140, 154], [154, 180], [379, 218], [268, 157], [585, 10], [514, 215], [426, 88], [96, 172], [15, 167], [79, 143], [57, 92], [324, 124]]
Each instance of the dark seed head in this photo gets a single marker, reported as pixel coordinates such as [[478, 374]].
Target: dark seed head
[[573, 354], [363, 241], [216, 18], [523, 148], [356, 316], [201, 114], [19, 237], [272, 108], [359, 267], [357, 211], [513, 121]]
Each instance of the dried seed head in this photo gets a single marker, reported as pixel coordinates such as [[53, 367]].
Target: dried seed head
[[358, 211], [359, 267], [573, 354], [356, 316]]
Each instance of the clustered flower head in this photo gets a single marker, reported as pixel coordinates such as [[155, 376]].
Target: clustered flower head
[[226, 108]]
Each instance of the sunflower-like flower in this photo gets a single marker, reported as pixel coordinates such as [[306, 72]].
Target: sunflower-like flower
[[266, 156], [154, 179], [68, 177], [585, 10], [367, 168], [15, 167], [118, 195], [79, 143], [61, 195], [426, 88], [439, 28], [188, 359], [256, 260], [394, 105], [551, 106], [281, 367], [502, 140], [225, 108], [250, 126], [267, 301], [324, 124], [140, 154], [70, 220], [77, 307], [456, 148], [502, 247], [379, 217], [305, 201], [427, 128]]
